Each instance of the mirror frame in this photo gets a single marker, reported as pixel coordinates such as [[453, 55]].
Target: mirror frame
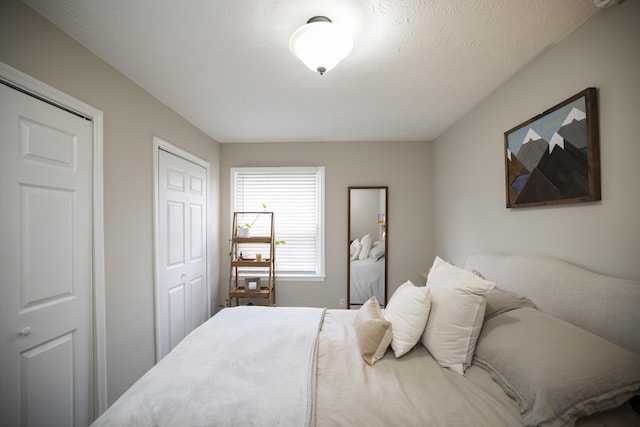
[[386, 239]]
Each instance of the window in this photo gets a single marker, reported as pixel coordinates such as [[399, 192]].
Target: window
[[296, 196]]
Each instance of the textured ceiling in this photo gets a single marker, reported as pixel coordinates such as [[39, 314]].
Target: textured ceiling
[[417, 66]]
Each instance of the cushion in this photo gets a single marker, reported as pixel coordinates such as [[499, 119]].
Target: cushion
[[373, 331], [457, 312], [499, 301], [354, 249], [377, 251], [408, 311], [366, 243], [555, 371]]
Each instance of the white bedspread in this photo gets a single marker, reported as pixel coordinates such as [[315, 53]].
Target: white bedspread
[[245, 366], [367, 279]]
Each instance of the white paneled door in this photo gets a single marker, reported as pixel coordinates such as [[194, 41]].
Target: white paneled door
[[181, 249], [46, 273]]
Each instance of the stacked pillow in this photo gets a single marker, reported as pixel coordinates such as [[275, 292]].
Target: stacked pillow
[[555, 371], [499, 302], [361, 249], [446, 315], [373, 331], [408, 311], [354, 249], [377, 251], [366, 244], [458, 302]]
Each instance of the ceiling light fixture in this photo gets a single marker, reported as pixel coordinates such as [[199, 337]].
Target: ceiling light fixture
[[320, 44]]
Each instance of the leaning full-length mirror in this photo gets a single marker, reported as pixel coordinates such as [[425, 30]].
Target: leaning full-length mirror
[[367, 239]]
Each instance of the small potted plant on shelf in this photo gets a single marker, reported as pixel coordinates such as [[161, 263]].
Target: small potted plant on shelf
[[244, 230]]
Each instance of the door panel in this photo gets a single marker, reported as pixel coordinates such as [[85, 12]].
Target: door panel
[[182, 275], [40, 143], [198, 310], [175, 178], [47, 267], [176, 314], [46, 237], [46, 381], [197, 184], [175, 235], [196, 233]]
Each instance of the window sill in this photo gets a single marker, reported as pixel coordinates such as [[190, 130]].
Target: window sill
[[300, 278]]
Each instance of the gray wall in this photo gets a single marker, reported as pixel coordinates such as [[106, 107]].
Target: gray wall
[[403, 166], [468, 160], [131, 118]]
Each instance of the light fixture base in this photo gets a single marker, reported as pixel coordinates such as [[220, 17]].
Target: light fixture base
[[318, 19]]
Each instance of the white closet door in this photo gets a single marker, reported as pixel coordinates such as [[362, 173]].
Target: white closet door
[[46, 347], [182, 267]]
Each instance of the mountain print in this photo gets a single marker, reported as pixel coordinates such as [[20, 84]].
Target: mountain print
[[547, 160]]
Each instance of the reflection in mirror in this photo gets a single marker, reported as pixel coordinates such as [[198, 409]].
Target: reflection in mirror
[[368, 229]]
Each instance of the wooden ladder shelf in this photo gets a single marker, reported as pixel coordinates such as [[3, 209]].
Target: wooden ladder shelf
[[241, 279]]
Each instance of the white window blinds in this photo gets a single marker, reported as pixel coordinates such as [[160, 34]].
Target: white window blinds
[[296, 196]]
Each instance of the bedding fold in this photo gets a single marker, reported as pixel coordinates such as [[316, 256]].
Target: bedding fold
[[244, 366]]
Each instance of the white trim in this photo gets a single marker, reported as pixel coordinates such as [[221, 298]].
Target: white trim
[[293, 278], [160, 144], [42, 90], [323, 214]]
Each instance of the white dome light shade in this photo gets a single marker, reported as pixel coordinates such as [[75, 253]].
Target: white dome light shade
[[320, 44]]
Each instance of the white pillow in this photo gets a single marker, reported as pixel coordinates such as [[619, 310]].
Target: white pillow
[[377, 251], [366, 243], [458, 303], [354, 249], [408, 311]]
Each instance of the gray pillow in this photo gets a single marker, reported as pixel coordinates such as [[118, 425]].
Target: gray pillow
[[555, 371], [499, 301]]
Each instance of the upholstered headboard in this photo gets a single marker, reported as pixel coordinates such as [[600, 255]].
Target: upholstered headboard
[[607, 306]]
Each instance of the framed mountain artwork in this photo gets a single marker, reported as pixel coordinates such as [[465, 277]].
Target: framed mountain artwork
[[554, 158]]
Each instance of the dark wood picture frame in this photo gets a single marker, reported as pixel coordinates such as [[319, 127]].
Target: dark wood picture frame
[[554, 158], [351, 235]]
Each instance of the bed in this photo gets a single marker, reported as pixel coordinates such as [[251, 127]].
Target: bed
[[554, 345], [367, 271], [366, 278]]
